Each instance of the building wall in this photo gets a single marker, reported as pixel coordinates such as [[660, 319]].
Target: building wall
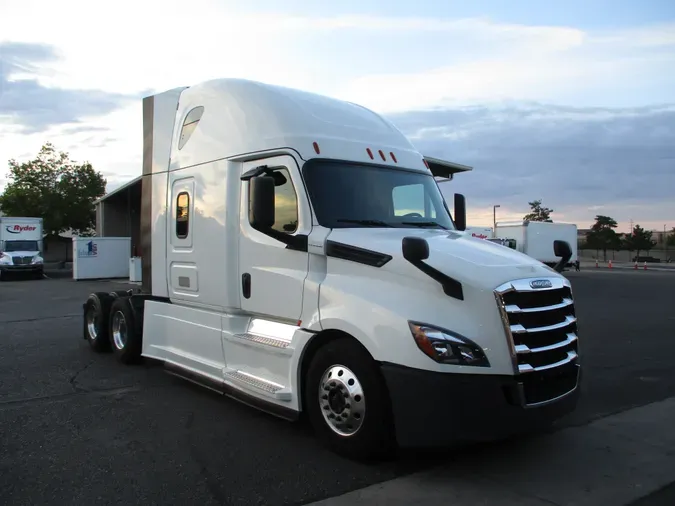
[[119, 216]]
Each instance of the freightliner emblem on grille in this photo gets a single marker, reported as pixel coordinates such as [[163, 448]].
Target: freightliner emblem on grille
[[541, 283]]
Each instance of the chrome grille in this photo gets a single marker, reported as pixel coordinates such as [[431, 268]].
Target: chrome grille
[[22, 260], [540, 322]]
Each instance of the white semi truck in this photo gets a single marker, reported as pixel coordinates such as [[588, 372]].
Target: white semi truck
[[21, 242], [298, 256]]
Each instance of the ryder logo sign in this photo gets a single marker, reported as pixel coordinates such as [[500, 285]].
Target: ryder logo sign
[[17, 229], [479, 236]]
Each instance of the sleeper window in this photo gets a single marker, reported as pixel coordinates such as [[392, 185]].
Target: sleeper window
[[182, 215]]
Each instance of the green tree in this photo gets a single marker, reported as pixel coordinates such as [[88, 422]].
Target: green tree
[[56, 189], [538, 212], [602, 235], [670, 241], [639, 240]]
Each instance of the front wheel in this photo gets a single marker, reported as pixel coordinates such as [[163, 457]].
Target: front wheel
[[347, 401]]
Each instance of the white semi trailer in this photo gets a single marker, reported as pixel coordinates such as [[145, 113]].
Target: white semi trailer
[[299, 256]]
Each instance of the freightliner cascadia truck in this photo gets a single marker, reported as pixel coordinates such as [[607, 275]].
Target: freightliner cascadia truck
[[299, 256]]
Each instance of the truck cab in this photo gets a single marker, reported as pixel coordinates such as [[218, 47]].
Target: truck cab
[[299, 256], [21, 246]]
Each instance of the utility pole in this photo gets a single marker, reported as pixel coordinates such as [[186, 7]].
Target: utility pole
[[494, 220]]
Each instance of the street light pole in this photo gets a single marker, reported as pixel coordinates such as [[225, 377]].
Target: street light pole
[[494, 220]]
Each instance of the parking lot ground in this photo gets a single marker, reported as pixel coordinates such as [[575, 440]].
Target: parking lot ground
[[78, 428]]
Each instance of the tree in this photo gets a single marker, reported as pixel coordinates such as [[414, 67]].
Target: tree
[[56, 189], [639, 240], [537, 212], [602, 235], [670, 241]]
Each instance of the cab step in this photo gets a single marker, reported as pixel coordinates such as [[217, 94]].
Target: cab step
[[250, 382]]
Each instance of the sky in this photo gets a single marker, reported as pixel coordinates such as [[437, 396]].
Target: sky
[[569, 102]]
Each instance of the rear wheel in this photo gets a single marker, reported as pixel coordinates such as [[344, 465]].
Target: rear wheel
[[347, 401], [95, 328], [124, 336]]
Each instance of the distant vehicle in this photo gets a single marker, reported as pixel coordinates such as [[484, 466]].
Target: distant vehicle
[[21, 245], [535, 238], [480, 232], [299, 256], [650, 259]]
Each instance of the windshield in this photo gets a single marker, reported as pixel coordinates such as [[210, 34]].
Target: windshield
[[21, 246], [357, 195]]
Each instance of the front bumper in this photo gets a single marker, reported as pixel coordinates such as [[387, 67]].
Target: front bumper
[[435, 409], [22, 268]]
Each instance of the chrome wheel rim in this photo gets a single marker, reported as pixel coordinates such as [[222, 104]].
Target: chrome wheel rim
[[341, 399], [119, 330], [92, 323]]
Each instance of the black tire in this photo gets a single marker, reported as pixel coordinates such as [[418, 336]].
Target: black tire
[[127, 349], [374, 439], [95, 321]]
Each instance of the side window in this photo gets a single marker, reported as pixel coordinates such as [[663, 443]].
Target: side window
[[412, 199], [189, 125], [285, 202], [182, 215]]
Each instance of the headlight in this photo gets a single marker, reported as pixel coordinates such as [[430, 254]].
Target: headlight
[[5, 259], [446, 347], [37, 259]]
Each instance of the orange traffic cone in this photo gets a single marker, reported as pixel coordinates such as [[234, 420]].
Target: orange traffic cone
[[636, 265], [645, 265], [610, 264], [596, 263]]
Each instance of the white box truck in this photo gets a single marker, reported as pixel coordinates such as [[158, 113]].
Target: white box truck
[[480, 232], [21, 242], [535, 238], [298, 256]]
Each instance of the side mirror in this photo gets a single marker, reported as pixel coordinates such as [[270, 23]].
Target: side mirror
[[415, 249], [562, 249], [460, 211], [261, 202]]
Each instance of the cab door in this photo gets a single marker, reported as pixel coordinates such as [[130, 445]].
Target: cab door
[[272, 275]]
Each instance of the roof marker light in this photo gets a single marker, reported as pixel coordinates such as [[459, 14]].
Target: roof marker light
[[316, 147], [426, 163], [384, 159], [393, 157], [370, 153]]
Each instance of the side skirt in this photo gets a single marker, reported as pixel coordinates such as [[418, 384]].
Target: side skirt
[[222, 388]]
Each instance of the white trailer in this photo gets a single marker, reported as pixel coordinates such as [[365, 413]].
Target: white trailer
[[479, 232], [21, 240], [299, 256], [535, 238]]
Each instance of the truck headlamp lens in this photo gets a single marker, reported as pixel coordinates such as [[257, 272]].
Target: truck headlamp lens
[[446, 347], [37, 259]]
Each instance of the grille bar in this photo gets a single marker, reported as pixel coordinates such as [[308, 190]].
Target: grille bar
[[525, 368], [513, 308], [521, 349], [520, 329]]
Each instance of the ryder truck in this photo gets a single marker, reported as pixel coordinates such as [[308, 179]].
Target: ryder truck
[[21, 246], [298, 256]]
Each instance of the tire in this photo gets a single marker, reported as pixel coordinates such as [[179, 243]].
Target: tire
[[125, 340], [366, 427], [95, 321]]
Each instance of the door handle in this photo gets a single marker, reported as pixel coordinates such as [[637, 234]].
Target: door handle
[[246, 285]]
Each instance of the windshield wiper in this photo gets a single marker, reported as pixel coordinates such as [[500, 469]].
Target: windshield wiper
[[424, 224], [370, 223]]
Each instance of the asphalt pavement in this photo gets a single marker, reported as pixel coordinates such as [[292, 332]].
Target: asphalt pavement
[[78, 428]]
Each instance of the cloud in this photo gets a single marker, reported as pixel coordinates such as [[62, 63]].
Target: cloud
[[580, 161], [28, 104]]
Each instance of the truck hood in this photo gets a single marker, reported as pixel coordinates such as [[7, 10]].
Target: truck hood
[[21, 253], [455, 253]]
